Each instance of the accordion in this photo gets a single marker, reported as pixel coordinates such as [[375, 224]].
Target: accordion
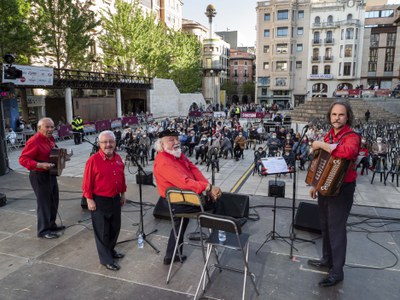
[[326, 173], [58, 156]]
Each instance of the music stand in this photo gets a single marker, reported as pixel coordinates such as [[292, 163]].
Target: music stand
[[275, 166], [141, 174]]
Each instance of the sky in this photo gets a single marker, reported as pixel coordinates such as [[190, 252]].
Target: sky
[[237, 15]]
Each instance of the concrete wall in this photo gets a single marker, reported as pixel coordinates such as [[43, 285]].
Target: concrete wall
[[166, 100]]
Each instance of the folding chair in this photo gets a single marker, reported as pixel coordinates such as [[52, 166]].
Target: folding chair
[[177, 196], [235, 240]]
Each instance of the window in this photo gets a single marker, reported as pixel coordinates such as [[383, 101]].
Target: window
[[387, 13], [235, 73], [266, 48], [266, 32], [391, 39], [329, 37], [317, 20], [373, 58], [316, 39], [327, 70], [281, 66], [348, 51], [372, 14], [300, 14], [349, 17], [315, 54], [330, 20], [314, 70], [282, 31], [349, 33], [280, 81], [263, 91], [267, 17], [266, 66], [347, 69], [374, 40], [328, 53], [299, 64], [281, 48], [283, 14], [299, 48], [389, 59], [300, 31]]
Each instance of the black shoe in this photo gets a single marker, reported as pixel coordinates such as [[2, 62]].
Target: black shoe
[[113, 267], [167, 260], [116, 254], [58, 228], [318, 263], [49, 235], [329, 281]]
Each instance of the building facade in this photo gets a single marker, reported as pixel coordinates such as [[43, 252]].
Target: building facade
[[381, 57], [241, 70]]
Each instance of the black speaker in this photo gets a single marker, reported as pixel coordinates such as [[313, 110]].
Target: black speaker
[[235, 205], [145, 179], [3, 199], [276, 188], [307, 218], [161, 210], [84, 203]]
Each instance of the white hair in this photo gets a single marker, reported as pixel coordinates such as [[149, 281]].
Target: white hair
[[158, 145], [43, 120], [106, 132]]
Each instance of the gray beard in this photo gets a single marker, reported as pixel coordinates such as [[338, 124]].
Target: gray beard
[[176, 152]]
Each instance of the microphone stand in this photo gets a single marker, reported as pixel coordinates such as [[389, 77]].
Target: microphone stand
[[141, 172]]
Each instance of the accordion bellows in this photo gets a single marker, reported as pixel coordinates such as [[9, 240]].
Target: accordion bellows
[[326, 173]]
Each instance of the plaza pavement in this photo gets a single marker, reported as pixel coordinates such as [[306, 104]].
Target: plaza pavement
[[68, 268]]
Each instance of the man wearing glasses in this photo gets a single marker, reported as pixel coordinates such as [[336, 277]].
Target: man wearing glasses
[[173, 169], [104, 187]]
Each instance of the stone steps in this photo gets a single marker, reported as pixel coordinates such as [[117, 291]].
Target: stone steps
[[316, 108]]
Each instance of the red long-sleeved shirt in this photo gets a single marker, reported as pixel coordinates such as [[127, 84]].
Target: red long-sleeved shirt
[[347, 148], [170, 171], [37, 149], [103, 176]]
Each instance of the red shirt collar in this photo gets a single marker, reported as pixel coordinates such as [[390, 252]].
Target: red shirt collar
[[338, 135], [104, 157]]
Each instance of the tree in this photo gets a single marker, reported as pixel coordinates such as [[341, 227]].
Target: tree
[[16, 35], [249, 89], [65, 31], [231, 88], [136, 43]]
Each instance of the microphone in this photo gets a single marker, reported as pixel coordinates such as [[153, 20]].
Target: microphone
[[306, 127]]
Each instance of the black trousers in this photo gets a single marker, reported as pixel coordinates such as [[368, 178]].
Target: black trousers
[[179, 209], [333, 213], [106, 220], [45, 187]]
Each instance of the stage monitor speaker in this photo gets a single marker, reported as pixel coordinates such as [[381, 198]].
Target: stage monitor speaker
[[145, 179], [161, 210], [235, 205], [276, 188], [307, 218], [3, 199]]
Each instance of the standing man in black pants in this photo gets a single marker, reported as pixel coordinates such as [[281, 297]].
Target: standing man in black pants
[[104, 188], [77, 128], [35, 157], [334, 211]]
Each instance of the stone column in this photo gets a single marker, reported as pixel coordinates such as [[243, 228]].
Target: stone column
[[68, 105], [119, 103]]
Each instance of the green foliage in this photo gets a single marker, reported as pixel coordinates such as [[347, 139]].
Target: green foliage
[[16, 35], [249, 88], [231, 88], [65, 30], [134, 42]]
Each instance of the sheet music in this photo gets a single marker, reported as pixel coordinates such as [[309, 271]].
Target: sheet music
[[275, 165]]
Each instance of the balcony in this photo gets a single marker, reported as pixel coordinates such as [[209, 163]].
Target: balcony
[[328, 58], [316, 41], [315, 58], [329, 41]]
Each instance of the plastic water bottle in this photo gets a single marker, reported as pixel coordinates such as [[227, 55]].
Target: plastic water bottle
[[221, 236], [140, 241]]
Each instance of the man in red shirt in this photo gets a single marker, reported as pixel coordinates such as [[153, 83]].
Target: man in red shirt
[[334, 210], [104, 187], [35, 157], [174, 169]]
